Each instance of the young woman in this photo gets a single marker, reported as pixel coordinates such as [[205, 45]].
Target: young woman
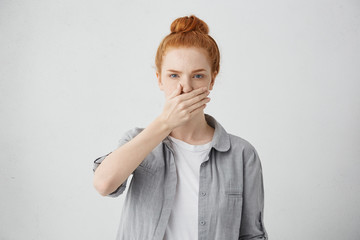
[[191, 179]]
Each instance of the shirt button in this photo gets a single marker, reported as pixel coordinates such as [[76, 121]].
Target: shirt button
[[203, 193], [202, 222]]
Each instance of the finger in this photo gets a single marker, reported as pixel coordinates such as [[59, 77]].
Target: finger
[[193, 93], [176, 92], [197, 98], [197, 110], [198, 104]]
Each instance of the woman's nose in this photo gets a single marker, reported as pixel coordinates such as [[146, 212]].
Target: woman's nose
[[186, 85]]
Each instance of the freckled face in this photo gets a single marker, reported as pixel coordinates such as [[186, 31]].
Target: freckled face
[[189, 66]]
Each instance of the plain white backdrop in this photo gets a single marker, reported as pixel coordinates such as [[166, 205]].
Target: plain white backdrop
[[75, 75]]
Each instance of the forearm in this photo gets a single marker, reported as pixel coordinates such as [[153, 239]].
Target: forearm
[[119, 165]]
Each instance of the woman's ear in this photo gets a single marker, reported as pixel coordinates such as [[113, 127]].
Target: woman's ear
[[159, 81], [212, 80]]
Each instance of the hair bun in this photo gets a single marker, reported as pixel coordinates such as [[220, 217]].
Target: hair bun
[[188, 24]]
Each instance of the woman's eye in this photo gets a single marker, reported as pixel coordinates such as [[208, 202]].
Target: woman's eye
[[173, 75], [198, 76]]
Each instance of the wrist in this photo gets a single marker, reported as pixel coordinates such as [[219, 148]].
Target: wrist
[[163, 124]]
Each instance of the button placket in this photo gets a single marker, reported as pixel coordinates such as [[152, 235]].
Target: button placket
[[203, 201]]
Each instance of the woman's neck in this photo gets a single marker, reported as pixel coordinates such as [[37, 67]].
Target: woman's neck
[[195, 132]]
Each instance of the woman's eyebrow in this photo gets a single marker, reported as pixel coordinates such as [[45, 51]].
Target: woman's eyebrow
[[171, 70], [197, 70]]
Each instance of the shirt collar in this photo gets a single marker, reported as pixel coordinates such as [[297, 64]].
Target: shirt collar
[[221, 139]]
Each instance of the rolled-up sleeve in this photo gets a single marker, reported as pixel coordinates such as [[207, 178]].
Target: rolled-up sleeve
[[124, 139], [252, 220]]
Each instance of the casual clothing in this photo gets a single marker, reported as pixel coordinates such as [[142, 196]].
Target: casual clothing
[[183, 221], [230, 188]]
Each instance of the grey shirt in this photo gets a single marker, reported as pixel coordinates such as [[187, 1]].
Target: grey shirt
[[231, 191]]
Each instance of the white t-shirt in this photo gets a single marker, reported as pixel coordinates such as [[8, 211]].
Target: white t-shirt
[[183, 222]]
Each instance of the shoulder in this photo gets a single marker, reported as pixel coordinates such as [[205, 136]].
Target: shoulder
[[239, 142], [242, 146]]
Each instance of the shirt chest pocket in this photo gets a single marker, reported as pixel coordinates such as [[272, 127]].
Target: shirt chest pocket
[[234, 192], [144, 178], [149, 165], [142, 185], [233, 210], [146, 168], [234, 189]]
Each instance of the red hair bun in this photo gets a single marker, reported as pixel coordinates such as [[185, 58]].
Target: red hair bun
[[188, 24]]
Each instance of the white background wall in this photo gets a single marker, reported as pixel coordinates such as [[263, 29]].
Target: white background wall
[[74, 75]]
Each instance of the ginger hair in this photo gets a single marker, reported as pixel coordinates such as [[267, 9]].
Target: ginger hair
[[189, 32]]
